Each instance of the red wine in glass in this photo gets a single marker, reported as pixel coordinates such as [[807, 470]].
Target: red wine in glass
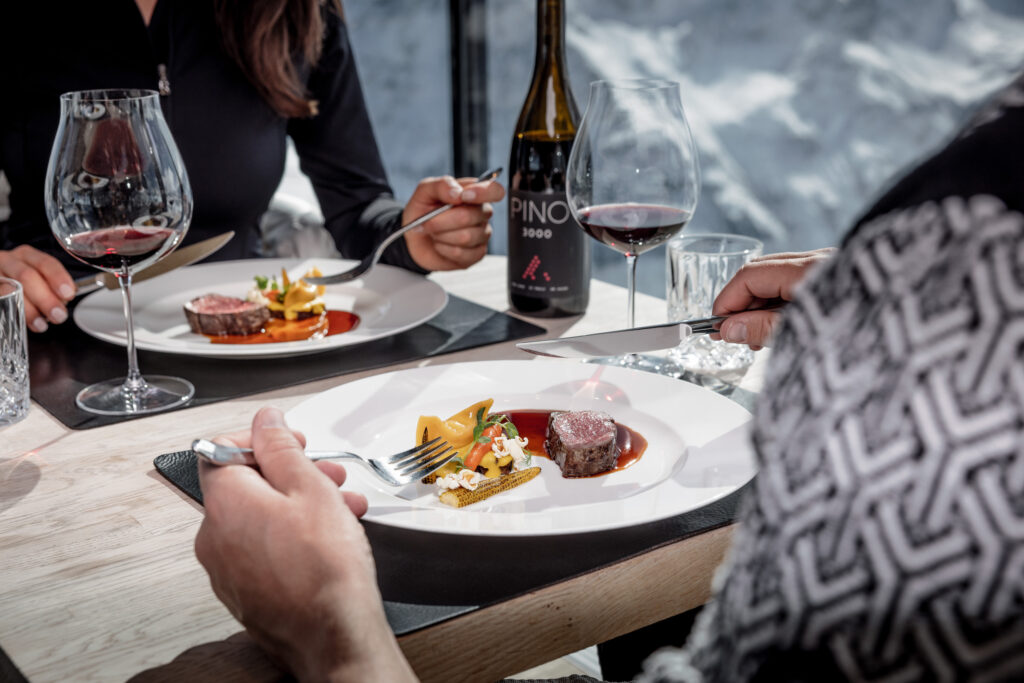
[[633, 228], [116, 248]]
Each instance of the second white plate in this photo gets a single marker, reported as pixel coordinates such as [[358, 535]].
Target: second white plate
[[388, 300], [698, 448]]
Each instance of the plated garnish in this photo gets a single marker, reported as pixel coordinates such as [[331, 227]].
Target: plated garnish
[[496, 450], [491, 454], [287, 299]]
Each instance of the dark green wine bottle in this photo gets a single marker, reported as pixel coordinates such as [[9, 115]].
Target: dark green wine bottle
[[548, 252]]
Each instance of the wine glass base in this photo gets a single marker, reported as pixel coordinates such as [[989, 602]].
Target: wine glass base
[[156, 393]]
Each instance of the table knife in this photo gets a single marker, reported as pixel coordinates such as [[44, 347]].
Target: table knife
[[636, 340], [178, 258]]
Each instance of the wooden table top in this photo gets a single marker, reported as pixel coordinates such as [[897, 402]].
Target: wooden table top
[[98, 579]]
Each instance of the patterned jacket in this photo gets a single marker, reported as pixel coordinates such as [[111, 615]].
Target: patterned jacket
[[884, 535]]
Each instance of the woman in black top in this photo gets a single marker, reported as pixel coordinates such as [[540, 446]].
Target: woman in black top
[[236, 80]]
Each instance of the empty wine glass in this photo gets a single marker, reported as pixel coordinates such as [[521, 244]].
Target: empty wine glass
[[633, 177], [118, 199]]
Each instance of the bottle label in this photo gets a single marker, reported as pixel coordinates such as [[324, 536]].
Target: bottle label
[[547, 253]]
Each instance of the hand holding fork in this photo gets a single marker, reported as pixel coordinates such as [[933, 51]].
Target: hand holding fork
[[288, 557], [399, 469], [371, 259]]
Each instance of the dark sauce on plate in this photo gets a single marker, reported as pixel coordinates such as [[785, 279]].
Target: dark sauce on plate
[[533, 425]]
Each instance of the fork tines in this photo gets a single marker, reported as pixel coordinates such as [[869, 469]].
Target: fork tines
[[423, 460], [397, 457]]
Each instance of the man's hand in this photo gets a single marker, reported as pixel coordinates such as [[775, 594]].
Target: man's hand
[[764, 282], [288, 557], [458, 237], [47, 285]]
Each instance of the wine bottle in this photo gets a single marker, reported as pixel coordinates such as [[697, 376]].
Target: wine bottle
[[548, 253]]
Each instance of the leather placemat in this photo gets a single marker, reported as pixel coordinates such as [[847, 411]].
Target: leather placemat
[[8, 672], [64, 360], [423, 576]]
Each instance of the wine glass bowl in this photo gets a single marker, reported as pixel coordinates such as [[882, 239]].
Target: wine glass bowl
[[633, 176], [118, 199], [632, 228]]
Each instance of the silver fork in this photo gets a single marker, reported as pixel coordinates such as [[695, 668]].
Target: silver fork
[[398, 470], [372, 259]]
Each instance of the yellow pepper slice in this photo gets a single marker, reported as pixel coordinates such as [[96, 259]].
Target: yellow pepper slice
[[457, 430]]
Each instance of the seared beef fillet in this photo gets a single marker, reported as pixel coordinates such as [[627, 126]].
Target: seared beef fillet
[[582, 443], [217, 315]]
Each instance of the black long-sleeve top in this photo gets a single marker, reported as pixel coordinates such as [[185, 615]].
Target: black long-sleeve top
[[233, 144]]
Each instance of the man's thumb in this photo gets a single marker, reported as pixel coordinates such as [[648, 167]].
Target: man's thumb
[[751, 327]]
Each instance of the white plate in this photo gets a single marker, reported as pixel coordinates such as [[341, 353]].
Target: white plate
[[698, 449], [388, 300]]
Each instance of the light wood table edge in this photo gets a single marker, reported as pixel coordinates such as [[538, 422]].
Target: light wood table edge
[[571, 615]]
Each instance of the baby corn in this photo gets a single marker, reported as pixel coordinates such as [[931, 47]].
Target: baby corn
[[461, 497]]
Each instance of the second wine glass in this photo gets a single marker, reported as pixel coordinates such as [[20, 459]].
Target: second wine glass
[[633, 177], [118, 199]]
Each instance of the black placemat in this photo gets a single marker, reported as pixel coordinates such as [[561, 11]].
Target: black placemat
[[415, 568], [8, 672], [64, 359], [426, 578]]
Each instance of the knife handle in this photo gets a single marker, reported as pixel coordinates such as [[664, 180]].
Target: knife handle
[[704, 325], [88, 284], [707, 325]]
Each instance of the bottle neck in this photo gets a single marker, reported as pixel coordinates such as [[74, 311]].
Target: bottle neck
[[550, 34], [549, 111]]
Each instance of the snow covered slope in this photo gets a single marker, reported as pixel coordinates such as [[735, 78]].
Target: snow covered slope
[[802, 109]]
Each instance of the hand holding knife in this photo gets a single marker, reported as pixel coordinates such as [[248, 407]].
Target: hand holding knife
[[619, 342]]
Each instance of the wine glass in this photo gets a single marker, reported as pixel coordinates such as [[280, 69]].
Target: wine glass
[[633, 178], [118, 199]]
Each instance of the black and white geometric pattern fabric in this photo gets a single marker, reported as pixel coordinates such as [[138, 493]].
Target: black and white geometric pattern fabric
[[883, 539]]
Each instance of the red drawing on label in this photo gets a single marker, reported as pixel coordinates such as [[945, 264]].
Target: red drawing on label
[[531, 268], [547, 278]]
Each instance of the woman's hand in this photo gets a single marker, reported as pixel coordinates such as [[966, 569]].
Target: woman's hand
[[764, 282], [458, 237], [47, 285], [288, 557]]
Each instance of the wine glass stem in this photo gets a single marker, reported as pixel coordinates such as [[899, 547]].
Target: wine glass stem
[[133, 382], [631, 287]]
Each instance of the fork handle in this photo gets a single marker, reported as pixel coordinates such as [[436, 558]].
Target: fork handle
[[371, 259], [486, 175], [331, 455], [235, 456], [231, 455], [375, 256]]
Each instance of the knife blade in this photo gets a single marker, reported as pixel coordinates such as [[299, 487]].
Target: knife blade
[[635, 340], [178, 258]]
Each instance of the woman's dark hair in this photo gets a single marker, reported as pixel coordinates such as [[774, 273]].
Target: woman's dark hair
[[268, 39]]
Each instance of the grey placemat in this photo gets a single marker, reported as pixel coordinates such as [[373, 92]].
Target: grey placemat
[[415, 568]]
